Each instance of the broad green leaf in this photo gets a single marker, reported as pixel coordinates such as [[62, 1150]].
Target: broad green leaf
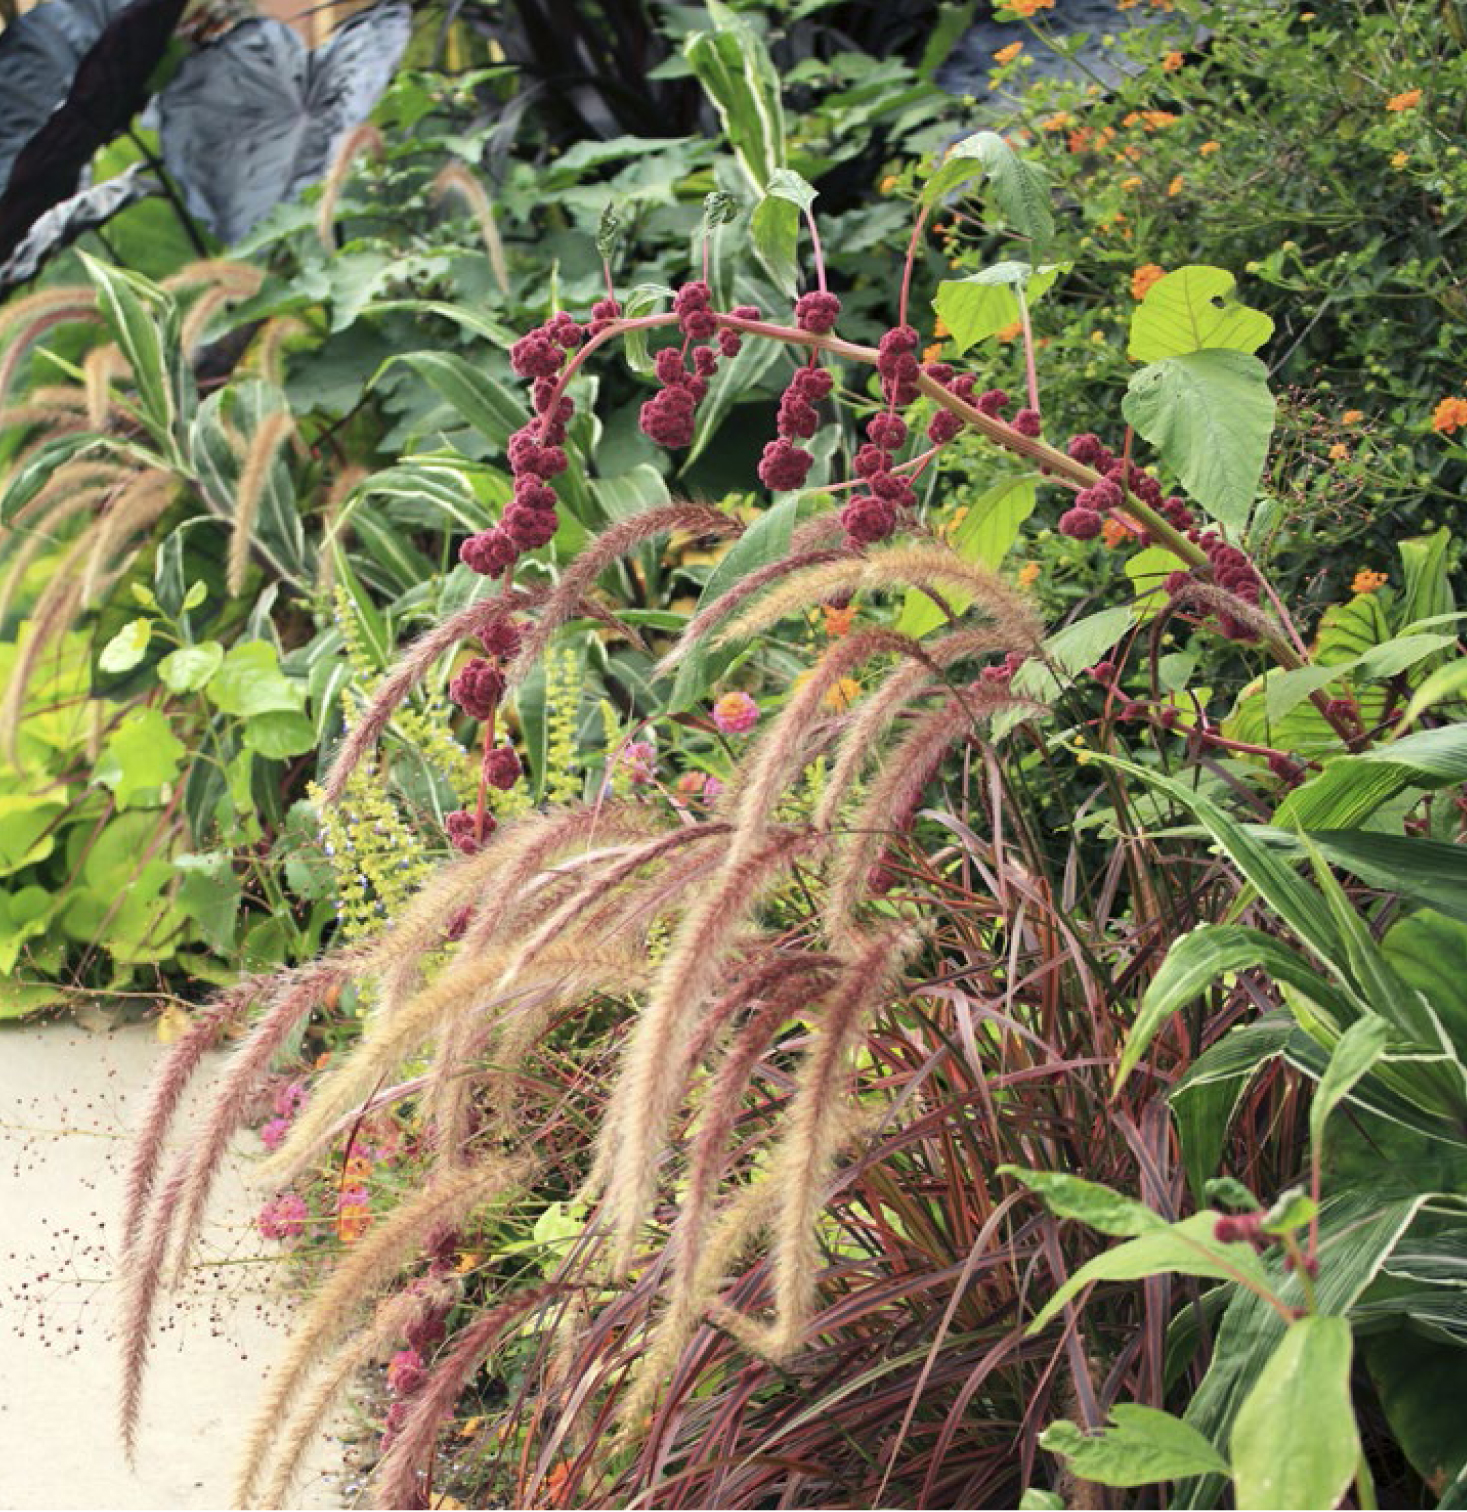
[[127, 648], [766, 540], [1210, 415], [141, 756], [249, 682], [1294, 1210], [1446, 684], [1422, 1384], [985, 534], [1433, 872], [643, 487], [480, 401], [1208, 952], [1195, 309], [1294, 1443], [975, 307], [1073, 1197], [1148, 570], [734, 68], [1232, 1192], [1359, 1048], [1186, 1249], [1429, 952], [785, 183], [775, 227], [190, 667], [26, 829], [1352, 787], [1401, 651], [1142, 1447], [280, 733], [1035, 1500], [1018, 188], [1427, 592], [210, 895], [1349, 630], [1068, 652], [1285, 690], [144, 322]]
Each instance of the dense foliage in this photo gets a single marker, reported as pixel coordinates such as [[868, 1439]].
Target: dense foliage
[[821, 769]]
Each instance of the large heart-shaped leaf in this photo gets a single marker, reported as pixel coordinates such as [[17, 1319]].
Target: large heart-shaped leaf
[[1194, 310]]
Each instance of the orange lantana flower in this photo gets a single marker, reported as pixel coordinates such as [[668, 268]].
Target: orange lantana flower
[[1009, 53], [1366, 581], [1028, 574], [1172, 62], [1144, 277], [1352, 417], [1407, 101], [1028, 7], [1449, 415], [1113, 533], [1208, 148]]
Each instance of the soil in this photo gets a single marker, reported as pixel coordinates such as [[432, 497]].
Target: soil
[[68, 1097]]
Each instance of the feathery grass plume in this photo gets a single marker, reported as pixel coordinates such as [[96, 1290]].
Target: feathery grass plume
[[392, 1316], [145, 499], [928, 566], [54, 610], [398, 1478], [240, 280], [739, 593], [801, 1163], [99, 367], [360, 1273], [1213, 600], [411, 669], [45, 310], [568, 597], [170, 1081], [254, 476], [40, 537], [63, 485], [893, 797], [654, 1063], [456, 179], [200, 314], [362, 140], [867, 725], [296, 994], [269, 346]]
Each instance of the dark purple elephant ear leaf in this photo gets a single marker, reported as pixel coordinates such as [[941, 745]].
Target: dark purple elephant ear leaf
[[252, 119], [109, 87], [59, 226]]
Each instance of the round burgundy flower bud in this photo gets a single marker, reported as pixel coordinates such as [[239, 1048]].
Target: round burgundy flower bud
[[1169, 717], [1104, 495], [1080, 524], [565, 331], [694, 295], [894, 488], [1027, 422], [667, 418], [491, 553], [530, 528], [477, 688], [531, 493], [605, 309], [867, 519], [405, 1374], [462, 830], [501, 638], [699, 325], [730, 342], [816, 312], [535, 356], [705, 361], [669, 367], [426, 1332], [1176, 582], [939, 372], [797, 420], [502, 767], [783, 466], [1146, 488], [745, 312], [870, 460], [943, 427], [887, 431], [993, 401], [1085, 448], [902, 338], [812, 383]]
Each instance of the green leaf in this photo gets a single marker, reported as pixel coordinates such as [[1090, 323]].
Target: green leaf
[[481, 402], [190, 667], [785, 183], [249, 682], [143, 321], [1068, 652], [1089, 1202], [1208, 952], [766, 540], [280, 733], [1445, 685], [1422, 1384], [1231, 1192], [1018, 188], [1210, 415], [1427, 592], [127, 648], [1034, 1500], [734, 68], [974, 308], [1358, 1049], [1186, 1248], [140, 757], [195, 596], [641, 488], [985, 535], [1429, 952], [775, 227], [608, 231], [210, 895], [1144, 1446], [1194, 309], [1294, 1443], [1294, 1209], [1352, 787]]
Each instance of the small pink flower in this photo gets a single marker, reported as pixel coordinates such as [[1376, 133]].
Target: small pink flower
[[272, 1134], [405, 1373], [711, 789], [639, 759], [735, 713], [291, 1098], [352, 1196], [284, 1218]]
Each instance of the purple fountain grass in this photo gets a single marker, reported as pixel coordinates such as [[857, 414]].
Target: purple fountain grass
[[401, 1478], [577, 580]]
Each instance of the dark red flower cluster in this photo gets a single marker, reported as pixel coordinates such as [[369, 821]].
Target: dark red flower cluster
[[1231, 570], [501, 767], [536, 452], [477, 688], [897, 365], [465, 831], [817, 312], [668, 417], [784, 465]]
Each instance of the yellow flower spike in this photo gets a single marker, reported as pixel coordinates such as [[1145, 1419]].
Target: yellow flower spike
[[1352, 417]]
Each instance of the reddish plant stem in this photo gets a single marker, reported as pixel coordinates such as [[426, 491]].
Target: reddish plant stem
[[816, 250], [1031, 367]]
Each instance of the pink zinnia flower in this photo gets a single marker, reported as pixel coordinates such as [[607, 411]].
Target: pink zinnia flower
[[735, 713], [272, 1134], [284, 1218], [639, 759], [290, 1099]]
